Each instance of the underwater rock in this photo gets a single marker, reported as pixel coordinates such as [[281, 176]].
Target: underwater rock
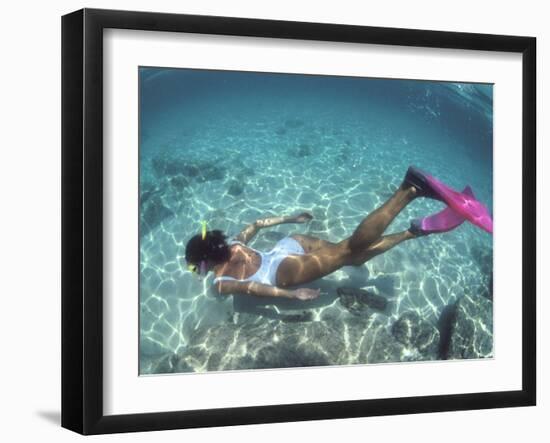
[[179, 182], [381, 347], [280, 344], [159, 364], [304, 150], [147, 190], [300, 317], [209, 172], [181, 365], [485, 288], [357, 301], [368, 341], [471, 329], [444, 325], [288, 355], [489, 292], [170, 190], [152, 213], [165, 166], [483, 257], [412, 331], [235, 188]]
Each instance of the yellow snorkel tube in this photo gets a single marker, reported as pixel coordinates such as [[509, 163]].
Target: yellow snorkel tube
[[201, 269], [203, 229]]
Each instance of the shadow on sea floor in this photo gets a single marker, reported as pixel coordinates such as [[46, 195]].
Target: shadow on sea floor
[[357, 301]]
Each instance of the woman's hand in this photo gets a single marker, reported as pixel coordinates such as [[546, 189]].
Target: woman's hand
[[303, 218], [306, 293]]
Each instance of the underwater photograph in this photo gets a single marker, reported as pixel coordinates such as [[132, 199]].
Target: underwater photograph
[[293, 220]]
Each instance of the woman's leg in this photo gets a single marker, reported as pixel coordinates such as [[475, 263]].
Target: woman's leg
[[380, 246], [374, 225], [370, 229], [300, 269], [366, 242]]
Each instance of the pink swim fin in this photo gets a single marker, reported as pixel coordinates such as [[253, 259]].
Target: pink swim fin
[[463, 204], [443, 221]]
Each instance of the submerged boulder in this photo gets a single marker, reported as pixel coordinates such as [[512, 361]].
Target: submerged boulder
[[358, 301], [235, 188], [286, 344], [413, 331], [471, 329], [170, 187], [158, 364], [166, 165], [152, 213]]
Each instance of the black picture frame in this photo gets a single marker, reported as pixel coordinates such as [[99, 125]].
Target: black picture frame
[[82, 216]]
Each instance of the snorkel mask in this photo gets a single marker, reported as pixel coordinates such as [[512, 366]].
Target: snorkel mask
[[200, 269]]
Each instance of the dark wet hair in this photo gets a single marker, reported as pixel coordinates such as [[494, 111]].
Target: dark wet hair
[[213, 248]]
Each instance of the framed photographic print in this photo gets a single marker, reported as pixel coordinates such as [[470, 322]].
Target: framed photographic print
[[270, 221]]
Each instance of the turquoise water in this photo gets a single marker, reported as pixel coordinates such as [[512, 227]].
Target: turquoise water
[[232, 147]]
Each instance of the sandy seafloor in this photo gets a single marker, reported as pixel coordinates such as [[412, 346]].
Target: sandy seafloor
[[230, 148]]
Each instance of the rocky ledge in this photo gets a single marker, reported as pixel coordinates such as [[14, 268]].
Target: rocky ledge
[[464, 331]]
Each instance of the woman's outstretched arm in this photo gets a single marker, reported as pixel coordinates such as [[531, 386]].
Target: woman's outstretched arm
[[252, 229], [253, 288]]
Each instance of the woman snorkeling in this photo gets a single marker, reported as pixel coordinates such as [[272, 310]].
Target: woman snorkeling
[[300, 259]]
